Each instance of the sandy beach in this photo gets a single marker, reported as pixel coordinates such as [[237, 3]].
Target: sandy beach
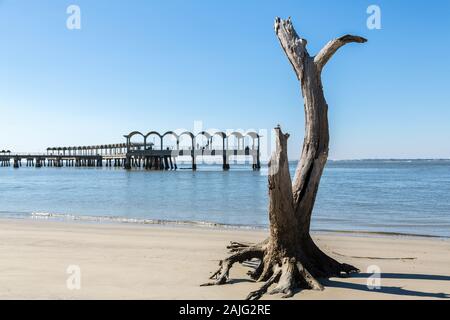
[[125, 261]]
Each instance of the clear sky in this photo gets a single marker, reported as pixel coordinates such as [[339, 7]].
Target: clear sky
[[161, 65]]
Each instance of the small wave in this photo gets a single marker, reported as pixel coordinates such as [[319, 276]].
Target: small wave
[[210, 224], [117, 219]]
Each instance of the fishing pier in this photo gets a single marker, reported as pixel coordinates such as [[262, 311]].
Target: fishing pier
[[150, 151]]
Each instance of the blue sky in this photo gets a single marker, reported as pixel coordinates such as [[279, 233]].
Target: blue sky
[[161, 65]]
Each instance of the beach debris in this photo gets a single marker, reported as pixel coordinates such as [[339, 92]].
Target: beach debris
[[289, 258]]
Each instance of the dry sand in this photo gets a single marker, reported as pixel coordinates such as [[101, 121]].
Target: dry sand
[[120, 261]]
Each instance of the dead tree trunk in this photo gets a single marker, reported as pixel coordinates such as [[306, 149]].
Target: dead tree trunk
[[289, 257]]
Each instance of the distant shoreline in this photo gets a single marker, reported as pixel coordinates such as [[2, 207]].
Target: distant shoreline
[[385, 159], [265, 162]]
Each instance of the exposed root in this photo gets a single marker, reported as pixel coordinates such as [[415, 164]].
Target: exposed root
[[287, 281], [222, 274], [238, 246], [288, 273], [330, 268], [310, 281], [255, 295], [235, 246], [267, 267], [348, 269], [289, 276], [321, 265]]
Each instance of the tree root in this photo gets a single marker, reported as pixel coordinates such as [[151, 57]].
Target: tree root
[[238, 246], [321, 265], [222, 274], [288, 273], [308, 278], [235, 246], [255, 295], [286, 283]]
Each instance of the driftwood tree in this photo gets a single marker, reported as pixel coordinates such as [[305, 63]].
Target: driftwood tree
[[289, 258]]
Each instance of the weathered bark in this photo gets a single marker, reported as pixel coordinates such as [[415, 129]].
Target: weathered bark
[[289, 257]]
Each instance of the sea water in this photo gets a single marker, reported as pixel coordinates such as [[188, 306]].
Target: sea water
[[393, 196]]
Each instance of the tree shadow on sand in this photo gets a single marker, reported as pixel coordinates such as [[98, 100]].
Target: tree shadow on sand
[[390, 289]]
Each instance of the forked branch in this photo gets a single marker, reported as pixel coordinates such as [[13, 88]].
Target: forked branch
[[331, 47]]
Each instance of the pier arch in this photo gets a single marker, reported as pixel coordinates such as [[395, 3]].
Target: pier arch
[[186, 139], [235, 140], [154, 140], [173, 143], [136, 140], [203, 141], [218, 139]]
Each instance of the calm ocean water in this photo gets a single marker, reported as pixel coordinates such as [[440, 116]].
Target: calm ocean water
[[411, 197]]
